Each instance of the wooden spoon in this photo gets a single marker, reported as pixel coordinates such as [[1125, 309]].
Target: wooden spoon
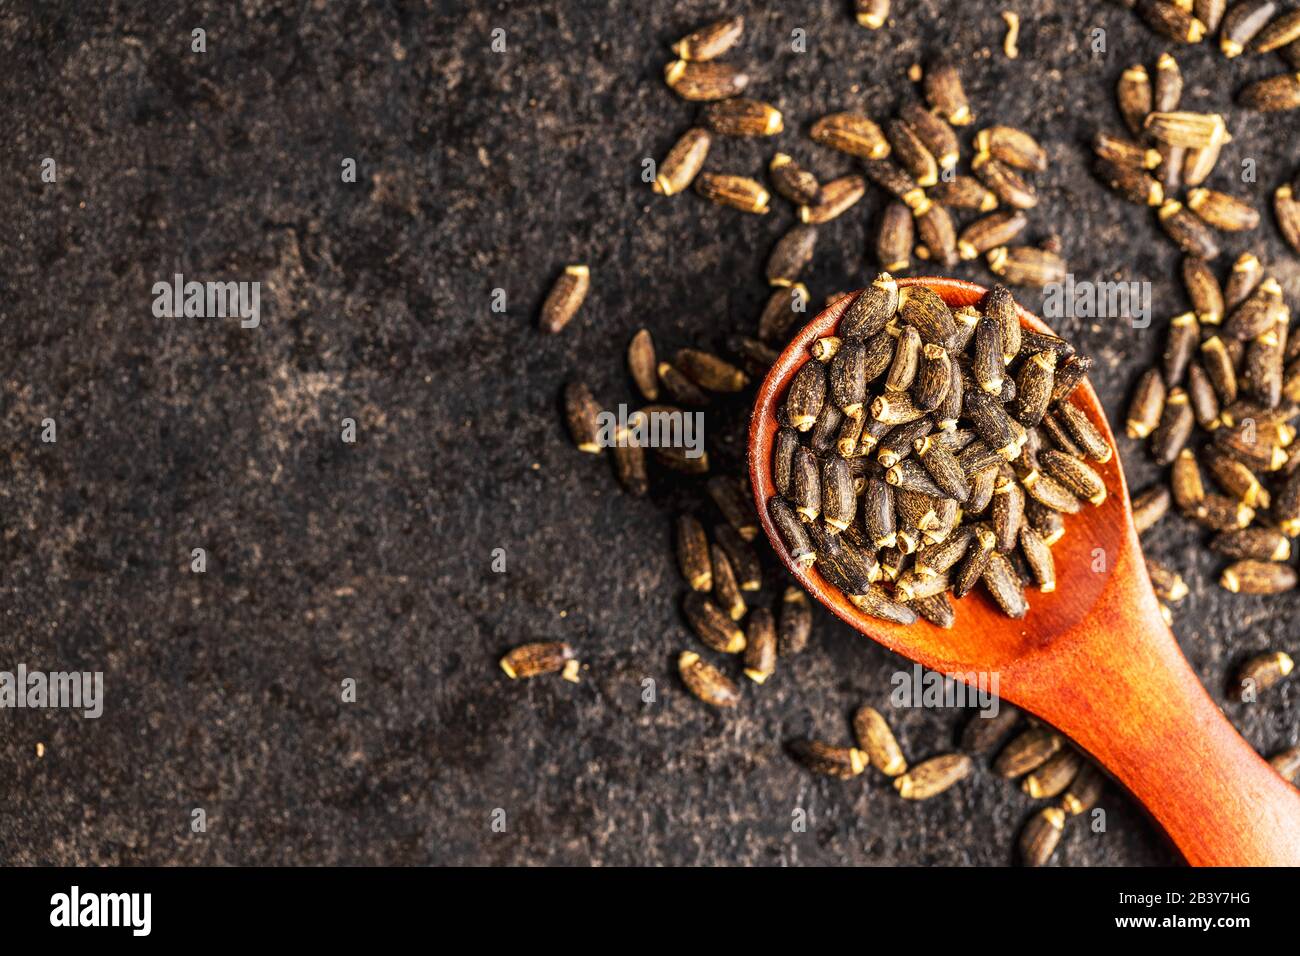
[[1094, 658]]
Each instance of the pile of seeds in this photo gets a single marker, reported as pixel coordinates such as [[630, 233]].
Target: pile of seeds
[[1254, 25], [1170, 150], [1231, 371], [923, 451]]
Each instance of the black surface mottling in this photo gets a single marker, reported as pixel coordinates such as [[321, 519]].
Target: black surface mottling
[[478, 170]]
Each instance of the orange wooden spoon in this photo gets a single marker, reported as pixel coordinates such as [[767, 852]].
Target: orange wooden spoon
[[1094, 658]]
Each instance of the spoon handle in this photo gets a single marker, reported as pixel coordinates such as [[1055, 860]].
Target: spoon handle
[[1143, 714]]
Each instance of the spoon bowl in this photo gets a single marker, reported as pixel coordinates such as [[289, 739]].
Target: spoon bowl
[[1093, 658]]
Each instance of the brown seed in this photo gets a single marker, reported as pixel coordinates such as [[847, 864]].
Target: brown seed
[[712, 625], [1259, 544], [877, 603], [1013, 147], [1265, 670], [785, 307], [1004, 586], [1220, 369], [738, 192], [710, 41], [1075, 474], [872, 13], [792, 532], [743, 557], [1184, 331], [565, 298], [871, 310], [944, 92], [895, 180], [726, 589], [1026, 752], [938, 234], [707, 682], [679, 459], [1170, 171], [795, 622], [972, 567], [1223, 211], [1004, 181], [1204, 290], [679, 387], [1279, 33], [736, 505], [894, 241], [704, 81], [1247, 272], [1038, 555], [837, 196], [807, 392], [1169, 84], [936, 609], [1125, 152], [806, 485], [641, 364], [1236, 478], [1186, 482], [993, 230], [1286, 507], [1130, 183], [1172, 21], [1034, 387], [1175, 427], [938, 136], [1189, 130], [848, 377], [1148, 403], [933, 777], [983, 732], [1244, 20], [1168, 583], [877, 741], [1191, 233], [629, 462], [1258, 314], [532, 660], [760, 645], [683, 162], [1221, 513], [709, 371], [1039, 839], [1199, 163], [793, 181], [580, 412], [1135, 97], [910, 152], [851, 133], [1272, 95], [1027, 266], [1054, 776], [1209, 12], [1149, 507], [743, 117], [964, 192], [1048, 491], [826, 348], [791, 255], [1287, 210], [693, 553], [839, 504], [842, 763], [1258, 577], [1287, 763]]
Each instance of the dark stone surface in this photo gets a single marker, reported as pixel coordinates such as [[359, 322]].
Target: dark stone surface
[[478, 170]]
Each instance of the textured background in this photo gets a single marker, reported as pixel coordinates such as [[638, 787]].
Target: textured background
[[478, 171]]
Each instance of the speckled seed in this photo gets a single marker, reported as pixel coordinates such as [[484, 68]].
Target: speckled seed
[[1084, 432], [937, 233], [1199, 163], [1265, 670], [785, 306], [1038, 555], [795, 625], [1286, 207], [994, 230], [1009, 186], [1247, 272], [1027, 266], [1053, 776], [707, 682], [1172, 21], [702, 82], [1209, 12], [1258, 577], [792, 532], [1148, 403], [683, 162], [1034, 387], [1039, 839], [726, 589], [710, 41], [743, 117], [1236, 478], [1126, 152], [837, 196], [933, 777], [1258, 313], [877, 741], [895, 238], [1220, 369], [580, 411], [1168, 84], [1149, 507], [791, 255], [1282, 31], [895, 180], [1013, 147], [738, 192], [964, 192], [851, 133], [1175, 427], [793, 181], [943, 90], [760, 645], [842, 763], [1004, 586], [1189, 130], [1135, 97], [806, 394], [535, 659], [876, 603], [1168, 583], [565, 298], [1130, 183], [1272, 95], [982, 733], [1286, 505], [1204, 290], [709, 371], [714, 626], [743, 557], [1259, 544], [1222, 211], [1190, 232], [1027, 751], [806, 485], [848, 377], [679, 387], [1186, 482], [939, 137], [911, 153], [641, 364]]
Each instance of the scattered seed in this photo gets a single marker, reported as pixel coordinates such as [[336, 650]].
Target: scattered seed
[[894, 241], [785, 306], [791, 255], [933, 777], [580, 412], [1258, 577], [910, 151], [760, 645], [738, 192], [565, 298], [1172, 21], [1125, 152], [793, 181], [1222, 211], [1272, 95], [535, 659], [837, 196], [877, 741], [1265, 670], [937, 135], [704, 81], [842, 763], [1026, 752], [743, 117], [683, 162], [1039, 838], [944, 92], [1149, 507], [792, 532], [795, 622], [851, 133], [1009, 186], [1054, 775], [711, 41], [707, 682], [712, 625], [1244, 20]]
